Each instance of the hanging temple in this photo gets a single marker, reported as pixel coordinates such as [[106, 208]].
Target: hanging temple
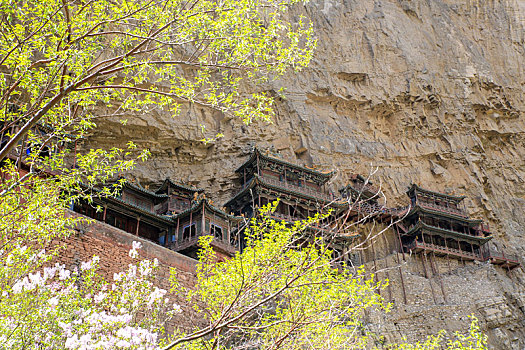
[[176, 215]]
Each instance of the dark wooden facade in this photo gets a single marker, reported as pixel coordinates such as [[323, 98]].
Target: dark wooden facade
[[301, 191], [174, 216], [203, 219], [437, 223], [264, 178]]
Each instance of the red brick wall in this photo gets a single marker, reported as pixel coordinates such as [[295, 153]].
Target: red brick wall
[[112, 245]]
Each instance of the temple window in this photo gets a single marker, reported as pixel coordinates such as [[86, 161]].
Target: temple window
[[189, 230], [216, 231]]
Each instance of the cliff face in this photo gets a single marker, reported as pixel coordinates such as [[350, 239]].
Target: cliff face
[[429, 92]]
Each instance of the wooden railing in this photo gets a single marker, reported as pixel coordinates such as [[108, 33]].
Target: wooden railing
[[494, 255], [300, 189], [448, 210], [444, 250], [362, 188]]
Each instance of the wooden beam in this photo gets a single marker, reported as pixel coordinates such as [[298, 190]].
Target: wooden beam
[[177, 233]]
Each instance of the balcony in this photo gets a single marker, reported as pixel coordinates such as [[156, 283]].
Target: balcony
[[366, 189], [443, 209], [509, 261], [299, 189], [417, 246]]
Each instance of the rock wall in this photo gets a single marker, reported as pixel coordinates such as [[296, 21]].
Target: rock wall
[[429, 92], [430, 293]]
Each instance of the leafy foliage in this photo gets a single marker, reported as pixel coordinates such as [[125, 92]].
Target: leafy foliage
[[62, 63], [282, 291]]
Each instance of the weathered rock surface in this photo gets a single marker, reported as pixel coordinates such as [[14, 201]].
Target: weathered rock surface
[[430, 92]]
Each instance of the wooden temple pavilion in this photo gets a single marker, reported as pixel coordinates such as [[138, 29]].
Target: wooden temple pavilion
[[180, 197], [438, 224], [264, 178], [359, 188], [301, 191], [174, 216], [204, 219], [133, 210]]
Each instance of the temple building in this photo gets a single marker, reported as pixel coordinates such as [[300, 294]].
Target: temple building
[[174, 216], [438, 224], [204, 219], [180, 197], [264, 178], [301, 191], [360, 188], [177, 215]]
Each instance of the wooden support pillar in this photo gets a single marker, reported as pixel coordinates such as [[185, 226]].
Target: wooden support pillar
[[423, 258], [258, 168], [376, 278], [177, 233], [436, 272], [203, 228], [191, 222], [460, 252], [403, 285], [448, 256], [389, 288], [168, 234], [228, 234], [104, 214], [400, 243], [215, 226], [138, 224]]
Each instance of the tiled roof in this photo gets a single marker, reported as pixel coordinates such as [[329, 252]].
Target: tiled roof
[[137, 187], [418, 208], [177, 185], [136, 209], [260, 180], [267, 156], [198, 205], [415, 187], [467, 237]]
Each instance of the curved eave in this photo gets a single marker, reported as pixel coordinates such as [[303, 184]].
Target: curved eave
[[119, 203], [167, 181], [417, 188], [241, 193], [198, 207], [144, 191], [367, 194], [326, 175], [449, 233], [436, 212]]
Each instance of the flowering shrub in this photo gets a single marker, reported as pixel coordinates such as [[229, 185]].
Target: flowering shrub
[[57, 308]]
